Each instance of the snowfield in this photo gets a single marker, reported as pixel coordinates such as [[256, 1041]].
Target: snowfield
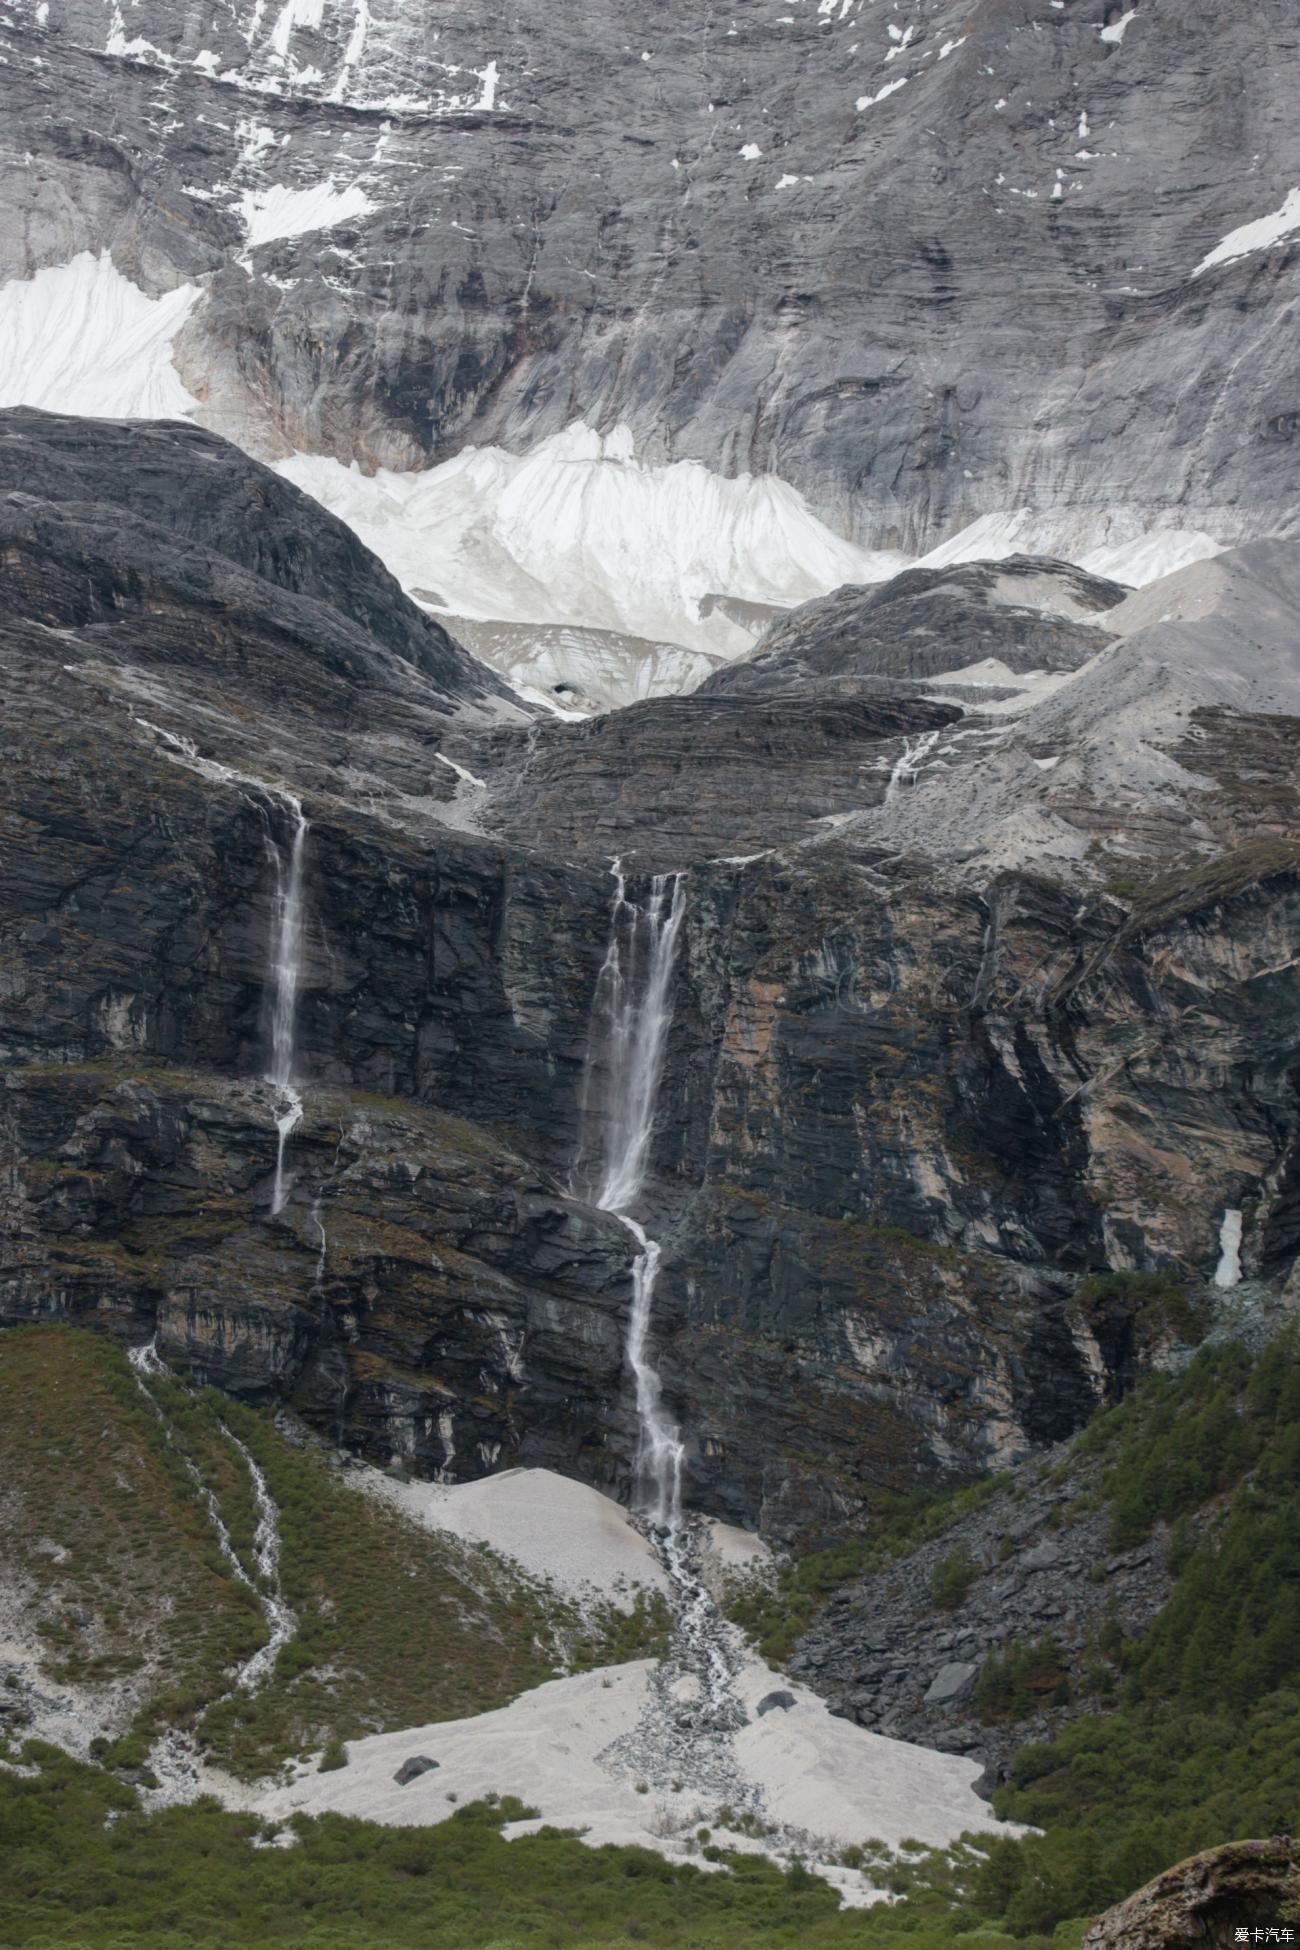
[[81, 338], [579, 534], [581, 531]]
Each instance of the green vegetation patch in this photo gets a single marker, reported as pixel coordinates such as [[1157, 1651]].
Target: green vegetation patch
[[774, 1610], [104, 1491], [82, 1869], [103, 1529], [1159, 1303]]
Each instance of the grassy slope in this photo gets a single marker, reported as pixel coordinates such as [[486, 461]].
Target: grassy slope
[[194, 1877], [103, 1525], [1202, 1743]]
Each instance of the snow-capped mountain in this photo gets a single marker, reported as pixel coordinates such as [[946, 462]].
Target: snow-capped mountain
[[585, 318]]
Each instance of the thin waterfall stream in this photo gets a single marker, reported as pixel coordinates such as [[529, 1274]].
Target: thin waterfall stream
[[285, 977], [692, 1711], [284, 965], [633, 1005], [909, 762], [174, 1758]]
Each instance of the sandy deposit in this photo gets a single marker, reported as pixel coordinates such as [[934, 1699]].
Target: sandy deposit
[[823, 1783], [641, 1753], [555, 1529]]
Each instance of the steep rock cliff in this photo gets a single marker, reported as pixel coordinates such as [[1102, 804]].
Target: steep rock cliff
[[776, 240], [908, 1100]]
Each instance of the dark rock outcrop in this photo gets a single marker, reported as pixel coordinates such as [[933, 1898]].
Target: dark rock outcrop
[[102, 516], [1026, 613], [885, 1655]]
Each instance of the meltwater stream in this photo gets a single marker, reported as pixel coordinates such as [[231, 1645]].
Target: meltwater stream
[[633, 1010], [691, 1710], [174, 1758], [284, 967]]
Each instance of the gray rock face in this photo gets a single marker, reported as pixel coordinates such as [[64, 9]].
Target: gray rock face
[[951, 1683], [1029, 615], [922, 266], [102, 503], [904, 1109]]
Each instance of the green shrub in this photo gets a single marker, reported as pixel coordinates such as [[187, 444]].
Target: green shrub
[[951, 1579], [1021, 1678]]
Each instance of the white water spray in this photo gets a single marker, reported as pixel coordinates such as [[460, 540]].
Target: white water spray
[[285, 977], [633, 1002], [909, 762], [285, 965]]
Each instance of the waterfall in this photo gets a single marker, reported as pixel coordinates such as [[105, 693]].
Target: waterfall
[[1228, 1271], [909, 762], [633, 1006], [285, 965], [284, 977], [281, 1625]]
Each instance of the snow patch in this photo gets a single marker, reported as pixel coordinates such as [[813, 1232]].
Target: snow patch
[[279, 211], [81, 338], [1117, 29], [751, 152], [1137, 557], [490, 78], [295, 13], [1228, 1271], [552, 1527], [1257, 236], [581, 531], [890, 88], [561, 1748], [1149, 557]]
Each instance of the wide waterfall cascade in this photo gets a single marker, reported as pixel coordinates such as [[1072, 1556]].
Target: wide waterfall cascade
[[633, 1007], [285, 976]]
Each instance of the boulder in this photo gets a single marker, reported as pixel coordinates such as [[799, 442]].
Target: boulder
[[951, 1683], [778, 1702], [1206, 1900]]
